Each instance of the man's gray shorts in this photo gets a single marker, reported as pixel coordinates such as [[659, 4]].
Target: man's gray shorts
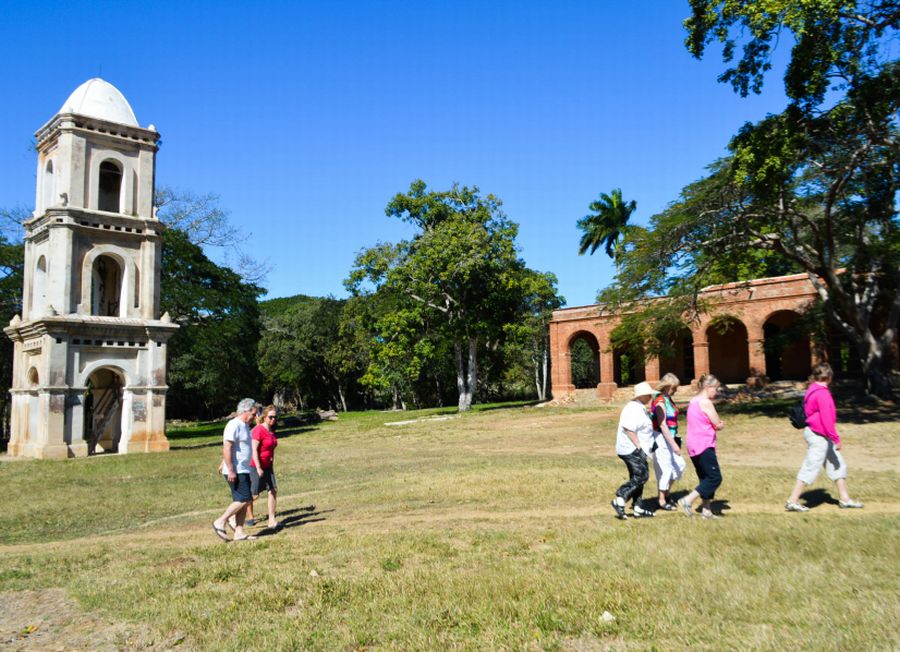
[[821, 452]]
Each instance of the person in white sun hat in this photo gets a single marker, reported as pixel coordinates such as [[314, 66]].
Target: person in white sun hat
[[634, 438]]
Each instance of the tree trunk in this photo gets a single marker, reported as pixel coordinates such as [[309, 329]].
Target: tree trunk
[[342, 397], [466, 372], [545, 371], [871, 355]]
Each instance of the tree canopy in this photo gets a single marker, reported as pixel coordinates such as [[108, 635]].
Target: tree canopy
[[212, 357], [460, 275], [811, 189]]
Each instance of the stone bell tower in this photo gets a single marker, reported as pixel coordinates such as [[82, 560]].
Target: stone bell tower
[[89, 370]]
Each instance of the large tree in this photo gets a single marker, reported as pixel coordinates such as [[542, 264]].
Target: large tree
[[811, 189], [305, 355], [212, 357], [461, 267], [529, 336], [11, 263]]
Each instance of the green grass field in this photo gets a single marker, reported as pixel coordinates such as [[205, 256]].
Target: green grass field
[[490, 530]]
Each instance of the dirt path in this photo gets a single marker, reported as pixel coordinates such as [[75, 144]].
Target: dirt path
[[49, 620]]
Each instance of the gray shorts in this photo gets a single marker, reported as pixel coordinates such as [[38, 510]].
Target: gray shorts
[[264, 481], [821, 452]]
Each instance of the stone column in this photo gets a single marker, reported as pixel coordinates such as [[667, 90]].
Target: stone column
[[51, 443], [652, 370], [701, 356], [607, 386], [18, 435], [756, 350], [561, 365], [75, 422]]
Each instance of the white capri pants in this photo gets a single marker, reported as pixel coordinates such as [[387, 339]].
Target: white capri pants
[[668, 466], [821, 452]]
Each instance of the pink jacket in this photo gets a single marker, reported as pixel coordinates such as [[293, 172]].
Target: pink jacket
[[821, 415]]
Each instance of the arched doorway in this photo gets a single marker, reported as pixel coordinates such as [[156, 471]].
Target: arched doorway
[[584, 360], [628, 361], [103, 411], [729, 357], [787, 347], [680, 358]]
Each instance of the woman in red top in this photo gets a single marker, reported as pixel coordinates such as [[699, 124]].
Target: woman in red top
[[264, 443], [822, 441]]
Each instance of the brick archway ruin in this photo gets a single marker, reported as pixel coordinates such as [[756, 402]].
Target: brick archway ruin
[[740, 352]]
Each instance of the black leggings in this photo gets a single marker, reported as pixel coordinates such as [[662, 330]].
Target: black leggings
[[707, 467], [638, 474]]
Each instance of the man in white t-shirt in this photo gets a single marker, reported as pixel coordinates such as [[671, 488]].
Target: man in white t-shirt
[[237, 451], [634, 439]]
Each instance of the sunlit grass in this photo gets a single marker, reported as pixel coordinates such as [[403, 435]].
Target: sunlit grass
[[491, 530]]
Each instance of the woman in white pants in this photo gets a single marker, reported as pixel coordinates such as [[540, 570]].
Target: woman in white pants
[[668, 463], [823, 444]]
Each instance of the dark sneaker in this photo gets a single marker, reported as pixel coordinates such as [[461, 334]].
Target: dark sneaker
[[620, 510]]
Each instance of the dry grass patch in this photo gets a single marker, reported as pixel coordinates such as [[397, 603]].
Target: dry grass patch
[[491, 531]]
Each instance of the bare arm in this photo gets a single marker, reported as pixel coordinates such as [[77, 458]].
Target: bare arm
[[226, 460], [664, 429], [710, 410], [256, 461]]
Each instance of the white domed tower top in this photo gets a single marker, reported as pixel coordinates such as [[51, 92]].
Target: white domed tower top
[[97, 98]]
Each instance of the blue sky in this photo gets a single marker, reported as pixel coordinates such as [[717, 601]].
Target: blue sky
[[307, 117]]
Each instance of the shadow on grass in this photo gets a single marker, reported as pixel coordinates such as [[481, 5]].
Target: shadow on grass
[[717, 506], [816, 497], [505, 406], [295, 518], [857, 409], [216, 431]]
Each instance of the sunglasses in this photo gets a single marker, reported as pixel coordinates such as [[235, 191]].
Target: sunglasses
[[273, 418]]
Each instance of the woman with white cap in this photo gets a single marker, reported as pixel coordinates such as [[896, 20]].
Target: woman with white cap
[[634, 438]]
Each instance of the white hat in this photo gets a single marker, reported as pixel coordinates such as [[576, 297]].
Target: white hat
[[644, 389]]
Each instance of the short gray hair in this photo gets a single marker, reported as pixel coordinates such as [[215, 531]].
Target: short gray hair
[[246, 405]]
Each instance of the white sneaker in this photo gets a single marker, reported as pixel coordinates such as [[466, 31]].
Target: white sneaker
[[640, 512], [850, 504], [795, 507]]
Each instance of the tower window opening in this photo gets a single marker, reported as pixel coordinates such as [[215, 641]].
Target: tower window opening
[[109, 187], [48, 185], [106, 287]]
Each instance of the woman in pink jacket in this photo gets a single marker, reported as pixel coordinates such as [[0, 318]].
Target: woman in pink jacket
[[822, 441]]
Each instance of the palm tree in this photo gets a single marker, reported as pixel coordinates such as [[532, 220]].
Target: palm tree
[[606, 225]]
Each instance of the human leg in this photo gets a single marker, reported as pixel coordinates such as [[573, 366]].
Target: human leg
[[707, 467], [240, 494], [793, 501], [662, 471], [268, 481], [638, 473]]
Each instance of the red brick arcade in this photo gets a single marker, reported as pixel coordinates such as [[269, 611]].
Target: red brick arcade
[[752, 312]]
